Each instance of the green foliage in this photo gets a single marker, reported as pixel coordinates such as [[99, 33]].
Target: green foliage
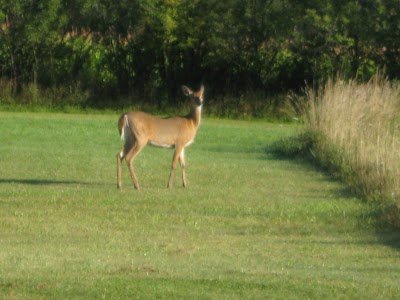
[[148, 48], [96, 71]]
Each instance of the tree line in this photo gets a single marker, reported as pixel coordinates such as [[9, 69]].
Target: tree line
[[147, 48]]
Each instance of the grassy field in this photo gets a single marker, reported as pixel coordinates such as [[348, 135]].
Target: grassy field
[[249, 225]]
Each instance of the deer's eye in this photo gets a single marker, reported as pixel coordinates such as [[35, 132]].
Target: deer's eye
[[198, 101]]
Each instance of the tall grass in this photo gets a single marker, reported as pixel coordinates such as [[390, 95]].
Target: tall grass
[[358, 132]]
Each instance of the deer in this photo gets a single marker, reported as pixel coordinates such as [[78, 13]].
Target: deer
[[139, 129]]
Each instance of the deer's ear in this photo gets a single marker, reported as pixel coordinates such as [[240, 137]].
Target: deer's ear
[[201, 91], [186, 90]]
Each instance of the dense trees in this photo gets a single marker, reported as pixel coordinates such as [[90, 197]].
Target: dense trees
[[147, 48]]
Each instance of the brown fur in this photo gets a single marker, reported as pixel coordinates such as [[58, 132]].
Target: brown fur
[[175, 132]]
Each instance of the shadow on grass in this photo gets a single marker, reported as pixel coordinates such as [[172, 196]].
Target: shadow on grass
[[39, 182], [386, 217], [390, 238], [306, 163]]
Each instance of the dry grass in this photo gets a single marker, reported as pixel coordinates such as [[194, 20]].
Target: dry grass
[[360, 123]]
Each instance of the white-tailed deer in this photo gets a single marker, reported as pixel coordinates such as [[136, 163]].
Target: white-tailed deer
[[139, 129]]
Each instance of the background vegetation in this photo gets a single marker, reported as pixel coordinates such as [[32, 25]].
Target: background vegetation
[[105, 53], [250, 223]]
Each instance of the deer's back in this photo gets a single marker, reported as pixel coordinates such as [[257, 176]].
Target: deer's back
[[163, 132]]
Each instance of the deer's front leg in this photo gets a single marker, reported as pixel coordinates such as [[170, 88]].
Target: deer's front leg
[[183, 166], [173, 167]]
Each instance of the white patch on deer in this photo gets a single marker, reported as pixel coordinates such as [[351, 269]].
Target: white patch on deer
[[189, 143], [153, 143], [124, 130]]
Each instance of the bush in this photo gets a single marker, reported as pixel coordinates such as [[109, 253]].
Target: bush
[[33, 96]]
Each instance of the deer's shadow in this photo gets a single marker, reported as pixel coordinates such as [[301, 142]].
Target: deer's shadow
[[39, 182]]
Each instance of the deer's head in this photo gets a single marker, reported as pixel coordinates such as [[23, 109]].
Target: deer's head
[[196, 97]]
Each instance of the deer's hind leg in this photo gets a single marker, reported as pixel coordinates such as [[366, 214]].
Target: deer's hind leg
[[130, 156], [120, 157]]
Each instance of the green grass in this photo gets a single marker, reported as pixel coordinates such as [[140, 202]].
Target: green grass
[[249, 225]]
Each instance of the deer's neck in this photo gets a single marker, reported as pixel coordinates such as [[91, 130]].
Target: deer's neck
[[195, 115]]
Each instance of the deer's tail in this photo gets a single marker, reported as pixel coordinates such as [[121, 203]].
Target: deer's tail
[[123, 125]]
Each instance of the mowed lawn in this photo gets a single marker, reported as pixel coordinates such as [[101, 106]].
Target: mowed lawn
[[249, 225]]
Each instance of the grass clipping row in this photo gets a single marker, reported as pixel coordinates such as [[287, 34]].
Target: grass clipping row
[[357, 130]]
